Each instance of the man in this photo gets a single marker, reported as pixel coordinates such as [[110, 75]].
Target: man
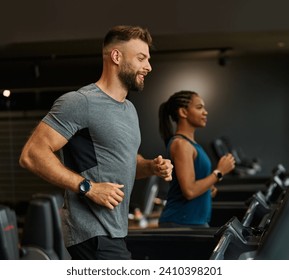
[[97, 130]]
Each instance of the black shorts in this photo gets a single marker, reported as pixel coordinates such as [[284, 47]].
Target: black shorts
[[100, 248]]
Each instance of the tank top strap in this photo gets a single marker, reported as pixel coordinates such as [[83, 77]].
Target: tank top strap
[[186, 138]]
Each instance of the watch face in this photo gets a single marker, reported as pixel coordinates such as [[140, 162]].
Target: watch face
[[84, 187], [219, 175]]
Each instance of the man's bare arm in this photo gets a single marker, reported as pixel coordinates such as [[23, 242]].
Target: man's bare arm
[[158, 166], [38, 156]]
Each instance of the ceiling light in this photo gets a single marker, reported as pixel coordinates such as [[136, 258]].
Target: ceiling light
[[6, 92], [281, 44]]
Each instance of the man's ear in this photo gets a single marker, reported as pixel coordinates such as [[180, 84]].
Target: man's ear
[[182, 112], [115, 56]]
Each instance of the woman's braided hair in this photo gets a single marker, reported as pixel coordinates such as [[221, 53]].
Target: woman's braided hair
[[168, 112]]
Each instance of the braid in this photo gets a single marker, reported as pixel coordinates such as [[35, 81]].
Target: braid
[[169, 111]]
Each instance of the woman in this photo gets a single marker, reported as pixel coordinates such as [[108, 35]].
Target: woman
[[191, 190]]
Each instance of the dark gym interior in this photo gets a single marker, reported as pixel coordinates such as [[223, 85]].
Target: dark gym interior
[[235, 55]]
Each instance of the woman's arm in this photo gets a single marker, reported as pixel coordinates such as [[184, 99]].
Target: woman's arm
[[183, 154]]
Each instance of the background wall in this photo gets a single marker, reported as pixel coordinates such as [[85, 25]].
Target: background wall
[[247, 101]]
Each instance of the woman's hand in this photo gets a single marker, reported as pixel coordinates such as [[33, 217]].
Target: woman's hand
[[226, 164]]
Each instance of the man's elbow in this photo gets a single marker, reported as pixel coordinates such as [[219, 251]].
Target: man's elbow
[[24, 160]]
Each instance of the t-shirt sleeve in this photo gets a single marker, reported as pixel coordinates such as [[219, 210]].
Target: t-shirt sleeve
[[68, 114]]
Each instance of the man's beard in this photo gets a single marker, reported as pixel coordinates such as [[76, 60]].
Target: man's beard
[[128, 78]]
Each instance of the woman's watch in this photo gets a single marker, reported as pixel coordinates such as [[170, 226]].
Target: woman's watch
[[218, 174]]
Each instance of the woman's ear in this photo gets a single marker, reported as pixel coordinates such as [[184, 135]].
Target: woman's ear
[[115, 56], [182, 112]]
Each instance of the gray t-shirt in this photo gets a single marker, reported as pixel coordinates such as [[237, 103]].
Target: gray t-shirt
[[103, 140]]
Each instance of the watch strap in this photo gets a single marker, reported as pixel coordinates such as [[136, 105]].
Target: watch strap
[[218, 174]]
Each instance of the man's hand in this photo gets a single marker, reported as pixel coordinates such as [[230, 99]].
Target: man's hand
[[106, 194], [163, 168]]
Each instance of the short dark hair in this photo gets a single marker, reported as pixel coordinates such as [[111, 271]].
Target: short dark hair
[[125, 33]]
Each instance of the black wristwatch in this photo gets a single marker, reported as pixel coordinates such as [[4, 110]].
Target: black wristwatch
[[218, 174], [84, 187]]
